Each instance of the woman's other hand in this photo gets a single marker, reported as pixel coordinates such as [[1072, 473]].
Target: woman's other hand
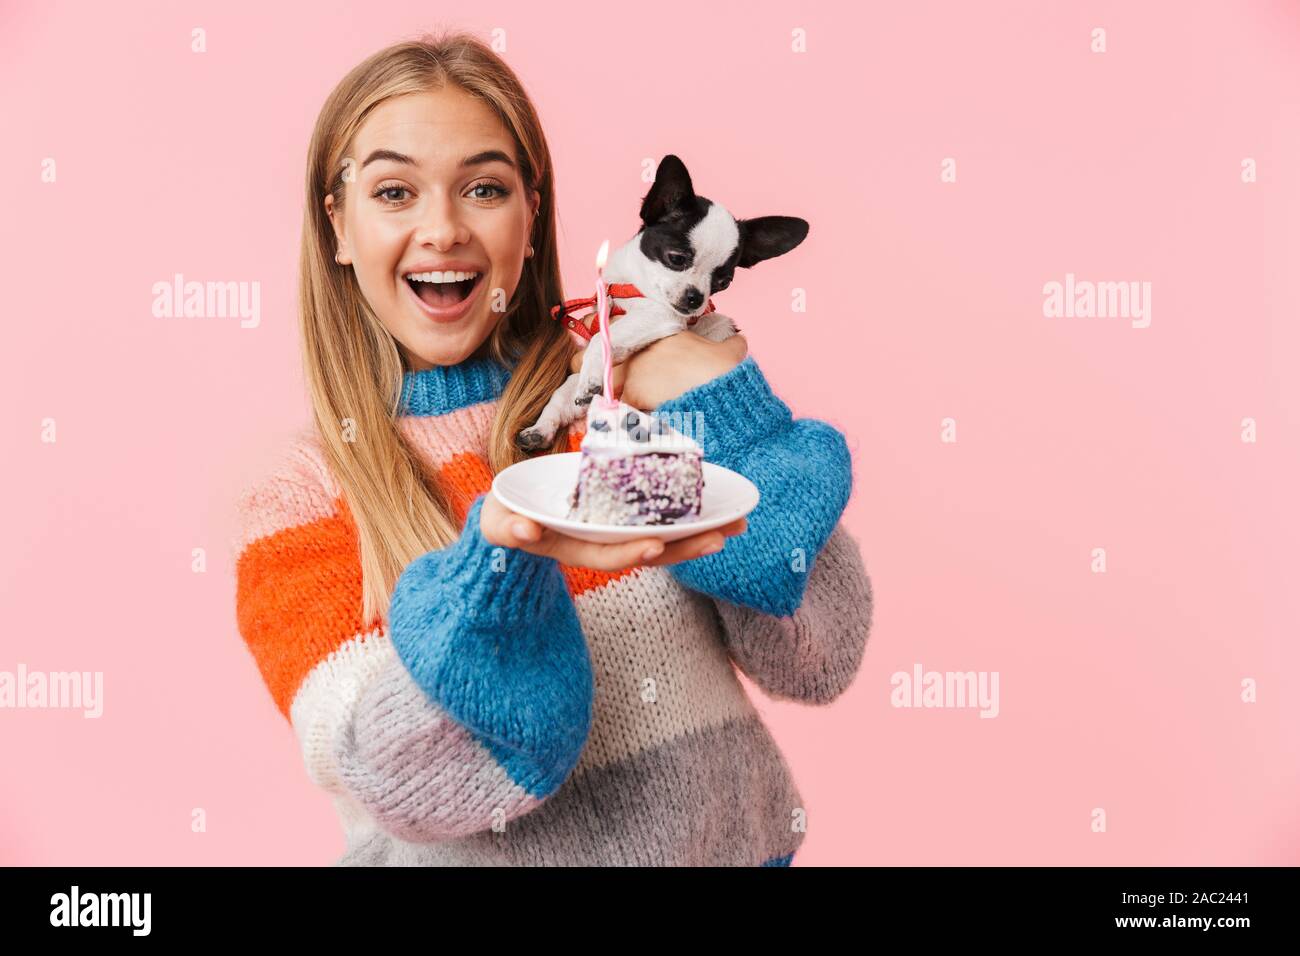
[[671, 366], [504, 528], [675, 364]]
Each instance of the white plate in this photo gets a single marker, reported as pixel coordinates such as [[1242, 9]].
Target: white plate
[[539, 488]]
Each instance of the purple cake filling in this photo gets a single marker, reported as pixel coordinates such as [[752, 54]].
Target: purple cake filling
[[635, 469], [648, 488]]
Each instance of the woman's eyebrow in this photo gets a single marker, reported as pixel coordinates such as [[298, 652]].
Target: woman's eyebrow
[[478, 159]]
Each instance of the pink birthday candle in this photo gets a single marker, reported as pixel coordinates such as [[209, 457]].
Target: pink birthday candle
[[602, 307]]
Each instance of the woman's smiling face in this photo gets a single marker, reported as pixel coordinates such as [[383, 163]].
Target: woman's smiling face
[[414, 207]]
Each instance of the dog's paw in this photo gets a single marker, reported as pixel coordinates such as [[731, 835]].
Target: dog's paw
[[531, 439], [591, 391]]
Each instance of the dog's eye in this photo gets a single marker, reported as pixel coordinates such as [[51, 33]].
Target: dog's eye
[[676, 259]]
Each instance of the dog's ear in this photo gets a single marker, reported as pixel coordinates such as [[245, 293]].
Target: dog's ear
[[672, 189], [768, 237]]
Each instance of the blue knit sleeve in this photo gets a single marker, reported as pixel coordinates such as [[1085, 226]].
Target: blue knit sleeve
[[803, 472], [491, 634]]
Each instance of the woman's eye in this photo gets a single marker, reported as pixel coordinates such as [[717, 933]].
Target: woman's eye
[[386, 193], [498, 190]]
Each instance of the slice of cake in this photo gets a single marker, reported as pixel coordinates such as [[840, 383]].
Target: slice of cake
[[635, 469]]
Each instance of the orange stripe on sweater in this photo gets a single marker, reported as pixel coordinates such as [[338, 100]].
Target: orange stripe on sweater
[[299, 599], [464, 477], [580, 580]]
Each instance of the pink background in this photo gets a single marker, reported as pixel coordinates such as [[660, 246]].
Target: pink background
[[1118, 690]]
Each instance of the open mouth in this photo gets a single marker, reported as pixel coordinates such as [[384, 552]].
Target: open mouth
[[443, 295]]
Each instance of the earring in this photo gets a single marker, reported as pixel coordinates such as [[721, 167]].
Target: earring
[[530, 251]]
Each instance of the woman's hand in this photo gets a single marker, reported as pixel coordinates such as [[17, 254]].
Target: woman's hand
[[671, 366], [504, 528], [674, 365]]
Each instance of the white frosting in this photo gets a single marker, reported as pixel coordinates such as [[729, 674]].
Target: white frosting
[[610, 432]]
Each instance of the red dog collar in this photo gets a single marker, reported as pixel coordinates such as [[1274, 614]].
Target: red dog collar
[[617, 290]]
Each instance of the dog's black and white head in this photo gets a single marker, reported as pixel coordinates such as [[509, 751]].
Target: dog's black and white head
[[692, 245]]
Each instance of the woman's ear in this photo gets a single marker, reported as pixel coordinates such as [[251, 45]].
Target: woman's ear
[[341, 256]]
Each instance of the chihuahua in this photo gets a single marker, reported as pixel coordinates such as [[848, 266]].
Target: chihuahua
[[687, 249]]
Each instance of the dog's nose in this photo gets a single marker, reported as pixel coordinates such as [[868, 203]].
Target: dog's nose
[[693, 299]]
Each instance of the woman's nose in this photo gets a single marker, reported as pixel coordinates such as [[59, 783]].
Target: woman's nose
[[441, 224]]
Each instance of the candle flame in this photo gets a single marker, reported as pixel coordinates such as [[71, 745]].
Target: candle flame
[[601, 254]]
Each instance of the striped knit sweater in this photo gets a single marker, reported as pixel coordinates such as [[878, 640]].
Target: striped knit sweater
[[516, 711]]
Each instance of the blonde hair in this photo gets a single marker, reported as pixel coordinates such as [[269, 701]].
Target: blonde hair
[[353, 368]]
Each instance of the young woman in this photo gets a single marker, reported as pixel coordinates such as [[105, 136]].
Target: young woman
[[470, 687]]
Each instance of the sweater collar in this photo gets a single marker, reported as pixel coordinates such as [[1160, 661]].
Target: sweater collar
[[447, 388]]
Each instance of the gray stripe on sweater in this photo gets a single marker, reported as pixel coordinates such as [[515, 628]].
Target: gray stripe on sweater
[[723, 796], [416, 770], [814, 654]]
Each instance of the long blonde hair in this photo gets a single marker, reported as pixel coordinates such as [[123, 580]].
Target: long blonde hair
[[353, 369]]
